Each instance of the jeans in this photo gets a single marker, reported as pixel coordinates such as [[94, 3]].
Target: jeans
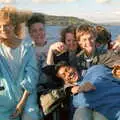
[[87, 114]]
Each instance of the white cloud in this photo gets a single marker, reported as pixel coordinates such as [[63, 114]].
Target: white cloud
[[7, 1], [103, 1], [52, 1], [116, 12]]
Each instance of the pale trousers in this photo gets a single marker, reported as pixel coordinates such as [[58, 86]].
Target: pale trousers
[[87, 114]]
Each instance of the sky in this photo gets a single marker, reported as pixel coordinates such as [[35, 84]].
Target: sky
[[98, 11]]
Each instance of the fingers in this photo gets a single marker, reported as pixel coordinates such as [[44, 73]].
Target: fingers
[[75, 89], [88, 87], [15, 114], [116, 66], [58, 46], [83, 88], [116, 45]]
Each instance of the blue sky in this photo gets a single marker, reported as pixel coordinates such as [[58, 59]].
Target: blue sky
[[92, 10]]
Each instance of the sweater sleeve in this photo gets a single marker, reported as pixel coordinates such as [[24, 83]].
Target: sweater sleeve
[[110, 58], [30, 79]]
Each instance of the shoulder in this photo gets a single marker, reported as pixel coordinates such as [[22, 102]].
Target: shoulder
[[45, 48], [27, 46], [111, 53], [49, 43]]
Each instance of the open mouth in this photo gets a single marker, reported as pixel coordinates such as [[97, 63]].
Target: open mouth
[[73, 76]]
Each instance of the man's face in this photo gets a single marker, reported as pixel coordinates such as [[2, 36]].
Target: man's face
[[87, 42], [68, 74], [37, 33]]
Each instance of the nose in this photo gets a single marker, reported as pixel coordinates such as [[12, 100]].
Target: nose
[[38, 33], [71, 43], [70, 74], [87, 40]]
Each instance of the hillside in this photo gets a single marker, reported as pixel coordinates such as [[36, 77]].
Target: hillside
[[112, 24], [63, 20], [22, 15]]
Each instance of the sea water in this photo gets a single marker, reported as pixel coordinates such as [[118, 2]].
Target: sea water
[[53, 32]]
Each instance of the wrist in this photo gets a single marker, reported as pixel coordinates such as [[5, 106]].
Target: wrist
[[81, 89], [19, 107], [20, 104]]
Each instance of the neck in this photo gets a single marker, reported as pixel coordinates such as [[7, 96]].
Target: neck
[[41, 44], [12, 43], [89, 54]]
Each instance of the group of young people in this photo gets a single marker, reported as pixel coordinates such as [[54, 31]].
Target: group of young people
[[92, 78], [21, 72]]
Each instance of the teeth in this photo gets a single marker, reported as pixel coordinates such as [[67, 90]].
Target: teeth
[[72, 75]]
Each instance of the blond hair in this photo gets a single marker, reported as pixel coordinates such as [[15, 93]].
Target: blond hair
[[14, 17]]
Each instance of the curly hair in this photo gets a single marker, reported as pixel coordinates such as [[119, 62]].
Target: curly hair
[[69, 29], [82, 29], [15, 18]]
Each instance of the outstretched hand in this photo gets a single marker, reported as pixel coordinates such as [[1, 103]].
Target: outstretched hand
[[116, 44], [87, 86]]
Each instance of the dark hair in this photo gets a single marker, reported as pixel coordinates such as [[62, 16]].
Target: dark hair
[[69, 29], [103, 35], [59, 65], [35, 18]]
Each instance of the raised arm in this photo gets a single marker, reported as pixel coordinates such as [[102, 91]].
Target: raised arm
[[55, 49], [87, 86]]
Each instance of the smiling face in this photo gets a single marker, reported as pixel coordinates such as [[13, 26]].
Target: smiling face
[[6, 30], [37, 33], [70, 41], [68, 74], [87, 42]]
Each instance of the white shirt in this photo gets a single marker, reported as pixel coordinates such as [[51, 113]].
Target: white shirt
[[13, 57]]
